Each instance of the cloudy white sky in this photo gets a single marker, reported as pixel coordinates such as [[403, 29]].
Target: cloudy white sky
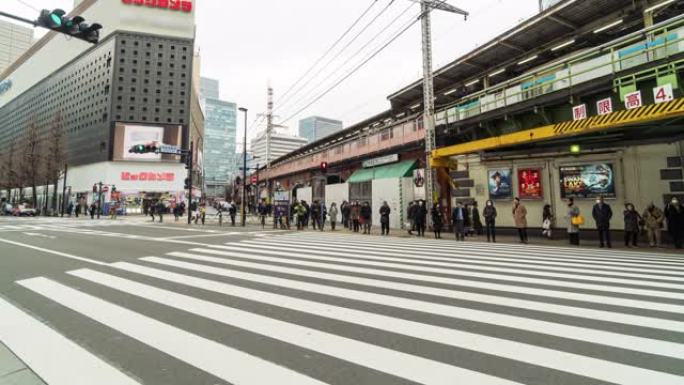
[[244, 43]]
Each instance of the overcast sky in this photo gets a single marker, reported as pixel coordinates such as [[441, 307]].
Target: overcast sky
[[245, 43]]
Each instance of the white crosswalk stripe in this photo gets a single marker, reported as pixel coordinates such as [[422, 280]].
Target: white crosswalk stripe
[[397, 311]]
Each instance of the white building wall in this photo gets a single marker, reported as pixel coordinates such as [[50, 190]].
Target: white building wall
[[305, 193], [389, 190], [336, 193]]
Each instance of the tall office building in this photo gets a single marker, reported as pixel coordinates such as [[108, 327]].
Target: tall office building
[[14, 41], [220, 127], [315, 127], [281, 144]]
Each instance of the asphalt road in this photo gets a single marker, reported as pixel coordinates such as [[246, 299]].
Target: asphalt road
[[130, 302]]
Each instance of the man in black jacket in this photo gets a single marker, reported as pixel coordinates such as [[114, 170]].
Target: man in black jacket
[[602, 214]]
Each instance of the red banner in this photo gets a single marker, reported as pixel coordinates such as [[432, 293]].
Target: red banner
[[148, 176], [174, 5], [529, 183]]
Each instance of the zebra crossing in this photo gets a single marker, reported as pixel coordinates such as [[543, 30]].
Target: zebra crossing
[[43, 223], [322, 308]]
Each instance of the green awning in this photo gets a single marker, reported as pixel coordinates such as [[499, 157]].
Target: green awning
[[396, 170]]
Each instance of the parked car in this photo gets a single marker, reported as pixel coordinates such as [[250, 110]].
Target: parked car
[[24, 211]]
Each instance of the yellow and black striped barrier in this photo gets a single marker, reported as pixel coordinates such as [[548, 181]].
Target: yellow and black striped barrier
[[613, 120]]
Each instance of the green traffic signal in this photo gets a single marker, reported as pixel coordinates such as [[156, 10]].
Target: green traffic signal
[[56, 19]]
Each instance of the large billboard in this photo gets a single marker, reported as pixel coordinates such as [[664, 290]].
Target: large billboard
[[529, 183], [587, 181], [500, 184], [134, 135]]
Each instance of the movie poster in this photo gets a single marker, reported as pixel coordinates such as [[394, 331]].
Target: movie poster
[[529, 183], [500, 184], [588, 181]]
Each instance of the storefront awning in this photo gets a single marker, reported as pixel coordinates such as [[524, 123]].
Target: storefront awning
[[396, 170]]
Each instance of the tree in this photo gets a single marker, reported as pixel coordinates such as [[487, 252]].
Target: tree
[[30, 162], [55, 158], [9, 174]]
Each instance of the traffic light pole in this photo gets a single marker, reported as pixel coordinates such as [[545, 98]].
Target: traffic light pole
[[99, 200], [17, 18], [189, 163]]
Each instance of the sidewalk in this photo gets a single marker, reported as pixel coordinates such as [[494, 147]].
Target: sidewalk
[[13, 371]]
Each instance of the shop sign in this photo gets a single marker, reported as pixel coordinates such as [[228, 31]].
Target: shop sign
[[148, 176], [579, 112], [604, 106], [380, 161], [661, 94], [588, 181], [499, 181], [633, 100], [174, 5], [529, 183]]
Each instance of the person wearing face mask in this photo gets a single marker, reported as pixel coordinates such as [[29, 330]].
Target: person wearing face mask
[[489, 214], [458, 219], [632, 219], [602, 214], [573, 224], [674, 212], [420, 218], [654, 219]]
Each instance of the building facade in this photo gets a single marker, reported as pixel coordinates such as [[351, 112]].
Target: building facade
[[209, 88], [281, 144], [219, 145], [315, 127], [133, 87], [14, 41]]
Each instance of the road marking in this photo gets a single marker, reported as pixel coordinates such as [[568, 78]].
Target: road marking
[[591, 298], [205, 235], [53, 357], [39, 235], [222, 361], [483, 257], [286, 257], [617, 340], [389, 361], [58, 253]]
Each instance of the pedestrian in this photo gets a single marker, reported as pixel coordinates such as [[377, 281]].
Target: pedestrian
[[458, 219], [602, 214], [468, 221], [575, 220], [520, 218], [366, 217], [385, 218], [355, 214], [203, 213], [232, 211], [632, 220], [344, 210], [437, 220], [160, 210], [299, 213], [69, 210], [152, 209], [547, 221], [93, 209], [262, 210], [315, 214], [674, 212], [420, 217], [654, 219], [475, 217], [332, 213], [411, 215], [489, 214], [113, 210], [307, 213], [322, 217]]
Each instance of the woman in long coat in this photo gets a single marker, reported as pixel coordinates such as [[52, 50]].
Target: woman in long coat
[[520, 218]]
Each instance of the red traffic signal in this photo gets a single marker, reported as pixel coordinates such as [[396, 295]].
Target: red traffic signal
[[324, 166], [254, 179]]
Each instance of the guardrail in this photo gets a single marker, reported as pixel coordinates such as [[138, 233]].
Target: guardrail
[[658, 42]]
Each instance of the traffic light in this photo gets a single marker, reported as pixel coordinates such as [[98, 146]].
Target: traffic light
[[143, 149], [324, 166], [57, 20]]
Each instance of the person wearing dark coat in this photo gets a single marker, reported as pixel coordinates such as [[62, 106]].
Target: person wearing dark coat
[[316, 215], [437, 220], [602, 214], [344, 210], [355, 216], [366, 214], [632, 219], [232, 211], [477, 221], [489, 214], [411, 215], [384, 218], [307, 213], [420, 217], [674, 212]]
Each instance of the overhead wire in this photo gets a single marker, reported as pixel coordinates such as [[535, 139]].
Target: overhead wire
[[28, 5], [358, 67], [340, 52]]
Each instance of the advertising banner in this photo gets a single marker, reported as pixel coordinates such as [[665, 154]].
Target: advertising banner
[[587, 181], [499, 181], [141, 135], [529, 183]]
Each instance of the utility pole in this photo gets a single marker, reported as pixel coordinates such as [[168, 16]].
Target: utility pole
[[269, 133], [426, 7], [243, 201], [188, 164]]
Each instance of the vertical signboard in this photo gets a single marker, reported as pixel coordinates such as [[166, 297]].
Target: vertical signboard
[[529, 183], [499, 181]]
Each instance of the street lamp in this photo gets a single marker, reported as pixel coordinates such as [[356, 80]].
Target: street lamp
[[244, 169]]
